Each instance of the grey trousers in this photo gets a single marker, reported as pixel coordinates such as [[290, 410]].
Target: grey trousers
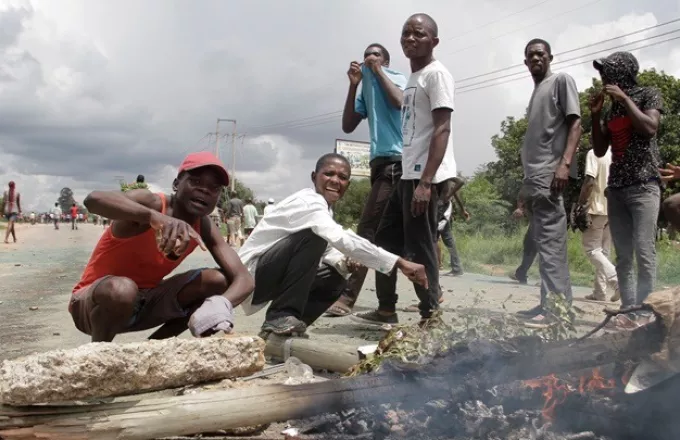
[[549, 228], [633, 212]]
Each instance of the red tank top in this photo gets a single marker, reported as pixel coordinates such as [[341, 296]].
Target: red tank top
[[137, 258]]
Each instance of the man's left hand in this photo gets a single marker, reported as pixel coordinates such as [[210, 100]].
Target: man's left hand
[[615, 92], [352, 266], [561, 179], [215, 314], [421, 198], [466, 215]]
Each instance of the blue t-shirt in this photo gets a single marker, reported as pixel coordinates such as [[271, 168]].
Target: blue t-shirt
[[384, 120]]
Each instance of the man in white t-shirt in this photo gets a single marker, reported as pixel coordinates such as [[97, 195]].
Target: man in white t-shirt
[[597, 239], [409, 223], [55, 213]]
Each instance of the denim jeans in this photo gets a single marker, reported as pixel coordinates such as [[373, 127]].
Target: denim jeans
[[633, 212]]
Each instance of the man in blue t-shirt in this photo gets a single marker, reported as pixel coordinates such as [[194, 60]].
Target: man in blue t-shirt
[[379, 101]]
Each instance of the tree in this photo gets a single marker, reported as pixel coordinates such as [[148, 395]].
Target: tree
[[347, 211], [66, 199], [489, 212], [242, 192]]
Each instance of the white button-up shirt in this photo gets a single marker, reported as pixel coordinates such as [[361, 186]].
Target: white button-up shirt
[[306, 209]]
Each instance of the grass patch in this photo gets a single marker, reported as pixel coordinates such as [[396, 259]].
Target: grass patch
[[499, 254]]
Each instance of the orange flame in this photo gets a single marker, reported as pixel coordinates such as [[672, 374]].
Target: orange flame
[[595, 382], [555, 390]]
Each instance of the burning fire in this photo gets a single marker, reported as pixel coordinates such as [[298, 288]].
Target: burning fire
[[555, 390]]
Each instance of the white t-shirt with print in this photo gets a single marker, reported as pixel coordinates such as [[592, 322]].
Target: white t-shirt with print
[[428, 89]]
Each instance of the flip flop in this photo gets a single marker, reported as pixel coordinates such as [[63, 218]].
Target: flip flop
[[338, 310]]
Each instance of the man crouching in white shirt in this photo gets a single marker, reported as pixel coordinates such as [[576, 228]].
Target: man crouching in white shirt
[[299, 255]]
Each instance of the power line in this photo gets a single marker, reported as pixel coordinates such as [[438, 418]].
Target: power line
[[578, 48], [329, 117], [509, 75], [535, 5], [524, 27], [295, 120], [481, 26], [656, 43]]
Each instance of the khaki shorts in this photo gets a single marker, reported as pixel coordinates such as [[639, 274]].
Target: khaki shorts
[[153, 307], [234, 225]]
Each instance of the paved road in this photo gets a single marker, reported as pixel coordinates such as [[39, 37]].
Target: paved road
[[43, 267]]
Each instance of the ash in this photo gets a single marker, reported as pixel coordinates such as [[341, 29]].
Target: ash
[[438, 419]]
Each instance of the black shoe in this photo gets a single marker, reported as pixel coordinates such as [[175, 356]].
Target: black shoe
[[531, 313], [519, 279], [375, 318], [284, 326]]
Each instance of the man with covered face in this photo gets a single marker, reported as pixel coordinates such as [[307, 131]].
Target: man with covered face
[[630, 126]]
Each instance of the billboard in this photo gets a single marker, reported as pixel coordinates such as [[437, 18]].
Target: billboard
[[357, 153]]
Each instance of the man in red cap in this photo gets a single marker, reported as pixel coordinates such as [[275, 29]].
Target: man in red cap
[[124, 286]]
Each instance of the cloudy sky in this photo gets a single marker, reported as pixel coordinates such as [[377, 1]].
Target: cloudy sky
[[96, 89]]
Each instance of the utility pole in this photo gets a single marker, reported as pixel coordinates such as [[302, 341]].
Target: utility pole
[[217, 134]]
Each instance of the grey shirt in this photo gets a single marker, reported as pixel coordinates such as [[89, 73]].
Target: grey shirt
[[545, 141], [235, 208]]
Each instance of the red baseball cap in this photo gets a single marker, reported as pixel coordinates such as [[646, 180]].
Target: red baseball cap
[[194, 161]]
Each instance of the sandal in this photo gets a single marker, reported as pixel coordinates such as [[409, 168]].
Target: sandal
[[338, 310]]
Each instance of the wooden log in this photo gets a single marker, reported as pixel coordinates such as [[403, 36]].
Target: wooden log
[[203, 412], [482, 364], [318, 355], [110, 369]]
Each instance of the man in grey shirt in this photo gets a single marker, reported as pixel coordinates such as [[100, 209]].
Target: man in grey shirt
[[551, 140]]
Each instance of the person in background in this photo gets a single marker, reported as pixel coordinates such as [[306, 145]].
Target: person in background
[[140, 178], [633, 191], [671, 206], [234, 218], [74, 216], [125, 286], [300, 257], [249, 217], [597, 238], [268, 207], [409, 223], [529, 252], [11, 210], [445, 211], [379, 102], [552, 137]]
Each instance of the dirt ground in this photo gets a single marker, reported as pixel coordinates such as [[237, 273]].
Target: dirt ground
[[38, 273]]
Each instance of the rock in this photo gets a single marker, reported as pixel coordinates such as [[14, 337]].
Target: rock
[[33, 308], [110, 369]]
